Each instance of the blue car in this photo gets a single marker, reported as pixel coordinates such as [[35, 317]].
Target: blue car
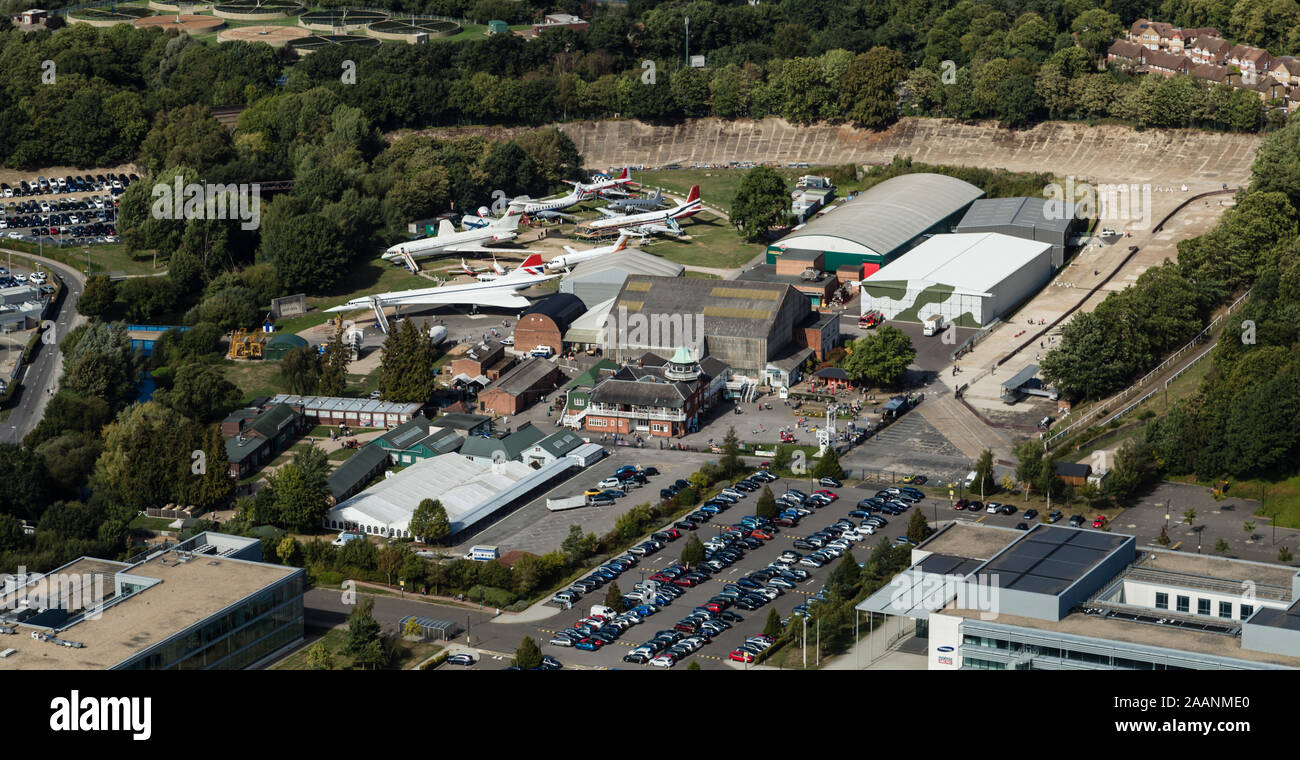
[[859, 513]]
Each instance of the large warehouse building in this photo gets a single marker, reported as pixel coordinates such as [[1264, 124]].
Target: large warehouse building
[[969, 279], [882, 223], [1026, 218], [468, 489], [743, 324]]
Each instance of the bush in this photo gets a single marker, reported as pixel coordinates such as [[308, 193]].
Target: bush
[[491, 595], [327, 578]]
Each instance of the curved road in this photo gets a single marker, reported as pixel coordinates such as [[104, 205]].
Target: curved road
[[40, 378]]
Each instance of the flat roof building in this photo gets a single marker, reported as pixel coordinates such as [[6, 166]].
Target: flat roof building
[[968, 279], [469, 490], [1027, 218], [208, 603], [883, 222], [1059, 598], [600, 279], [353, 412]]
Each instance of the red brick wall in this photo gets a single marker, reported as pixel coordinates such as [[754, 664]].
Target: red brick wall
[[537, 330]]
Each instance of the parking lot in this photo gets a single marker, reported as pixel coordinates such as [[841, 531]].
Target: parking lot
[[84, 209], [534, 528], [501, 635]]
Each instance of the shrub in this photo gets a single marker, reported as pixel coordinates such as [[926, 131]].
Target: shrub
[[491, 595]]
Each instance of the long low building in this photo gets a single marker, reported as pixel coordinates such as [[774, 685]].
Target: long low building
[[968, 279], [1058, 598], [353, 412], [469, 490]]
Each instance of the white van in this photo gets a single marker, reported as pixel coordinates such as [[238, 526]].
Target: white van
[[970, 478]]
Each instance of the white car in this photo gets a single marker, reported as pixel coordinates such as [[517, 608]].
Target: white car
[[693, 643], [37, 277], [608, 483], [664, 661], [20, 277], [509, 340]]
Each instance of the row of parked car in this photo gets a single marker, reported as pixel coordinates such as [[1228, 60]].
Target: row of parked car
[[111, 182]]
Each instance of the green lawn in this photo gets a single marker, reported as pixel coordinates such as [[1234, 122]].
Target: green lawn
[[341, 455], [1279, 497], [141, 522], [103, 258], [703, 275], [713, 243], [254, 378]]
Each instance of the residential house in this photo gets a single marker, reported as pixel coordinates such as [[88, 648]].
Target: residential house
[[1207, 49], [1216, 74], [1252, 62], [507, 449], [1285, 69], [1152, 35], [1165, 64], [418, 439], [1124, 55], [487, 358], [550, 448]]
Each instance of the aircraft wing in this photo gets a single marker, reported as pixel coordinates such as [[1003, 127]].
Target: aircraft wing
[[608, 213], [503, 297], [473, 247]]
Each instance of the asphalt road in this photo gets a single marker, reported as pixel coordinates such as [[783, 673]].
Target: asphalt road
[[499, 635], [43, 372]]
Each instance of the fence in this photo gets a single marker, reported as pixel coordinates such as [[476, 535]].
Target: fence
[[1103, 406], [969, 344]]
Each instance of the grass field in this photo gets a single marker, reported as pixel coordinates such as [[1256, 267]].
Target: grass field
[[713, 243], [141, 522], [254, 378], [103, 258]]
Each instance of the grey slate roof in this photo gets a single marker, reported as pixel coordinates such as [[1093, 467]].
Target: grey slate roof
[[513, 445], [355, 469], [559, 444], [729, 308], [892, 213], [1015, 212], [631, 261], [640, 393], [523, 376]]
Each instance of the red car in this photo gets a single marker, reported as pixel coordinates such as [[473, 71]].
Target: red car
[[673, 534], [761, 534], [715, 606], [787, 438], [740, 655], [1099, 521], [961, 504], [661, 578], [829, 494], [764, 465], [687, 582], [784, 522]]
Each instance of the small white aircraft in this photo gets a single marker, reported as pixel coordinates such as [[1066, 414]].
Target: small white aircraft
[[669, 227], [547, 208], [448, 240], [502, 292], [604, 184], [575, 256], [484, 275]]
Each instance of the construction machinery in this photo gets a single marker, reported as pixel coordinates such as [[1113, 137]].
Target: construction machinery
[[246, 344]]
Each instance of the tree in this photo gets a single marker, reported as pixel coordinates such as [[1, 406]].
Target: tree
[[98, 298], [300, 499], [305, 247], [917, 528], [730, 463], [363, 630], [868, 88], [1189, 516], [879, 359], [313, 461], [984, 482], [406, 374], [200, 392], [1249, 527], [781, 459], [319, 657], [773, 628], [762, 202], [766, 504], [528, 656], [614, 598], [1221, 546], [429, 522], [577, 547], [844, 578], [391, 560], [1284, 555], [694, 665], [413, 629], [334, 364], [829, 465], [1030, 463], [301, 370], [693, 551], [289, 551]]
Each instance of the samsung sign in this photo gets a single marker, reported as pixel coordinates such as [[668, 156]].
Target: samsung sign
[[943, 655], [945, 649]]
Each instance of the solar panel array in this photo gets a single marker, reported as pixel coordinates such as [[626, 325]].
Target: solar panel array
[[1048, 559], [946, 564], [1288, 619]]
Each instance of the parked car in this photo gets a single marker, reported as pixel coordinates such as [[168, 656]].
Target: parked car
[[1053, 516], [461, 659]]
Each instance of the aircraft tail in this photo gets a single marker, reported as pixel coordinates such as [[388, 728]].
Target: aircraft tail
[[623, 237], [695, 194], [623, 174], [570, 250], [532, 265], [508, 222]]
